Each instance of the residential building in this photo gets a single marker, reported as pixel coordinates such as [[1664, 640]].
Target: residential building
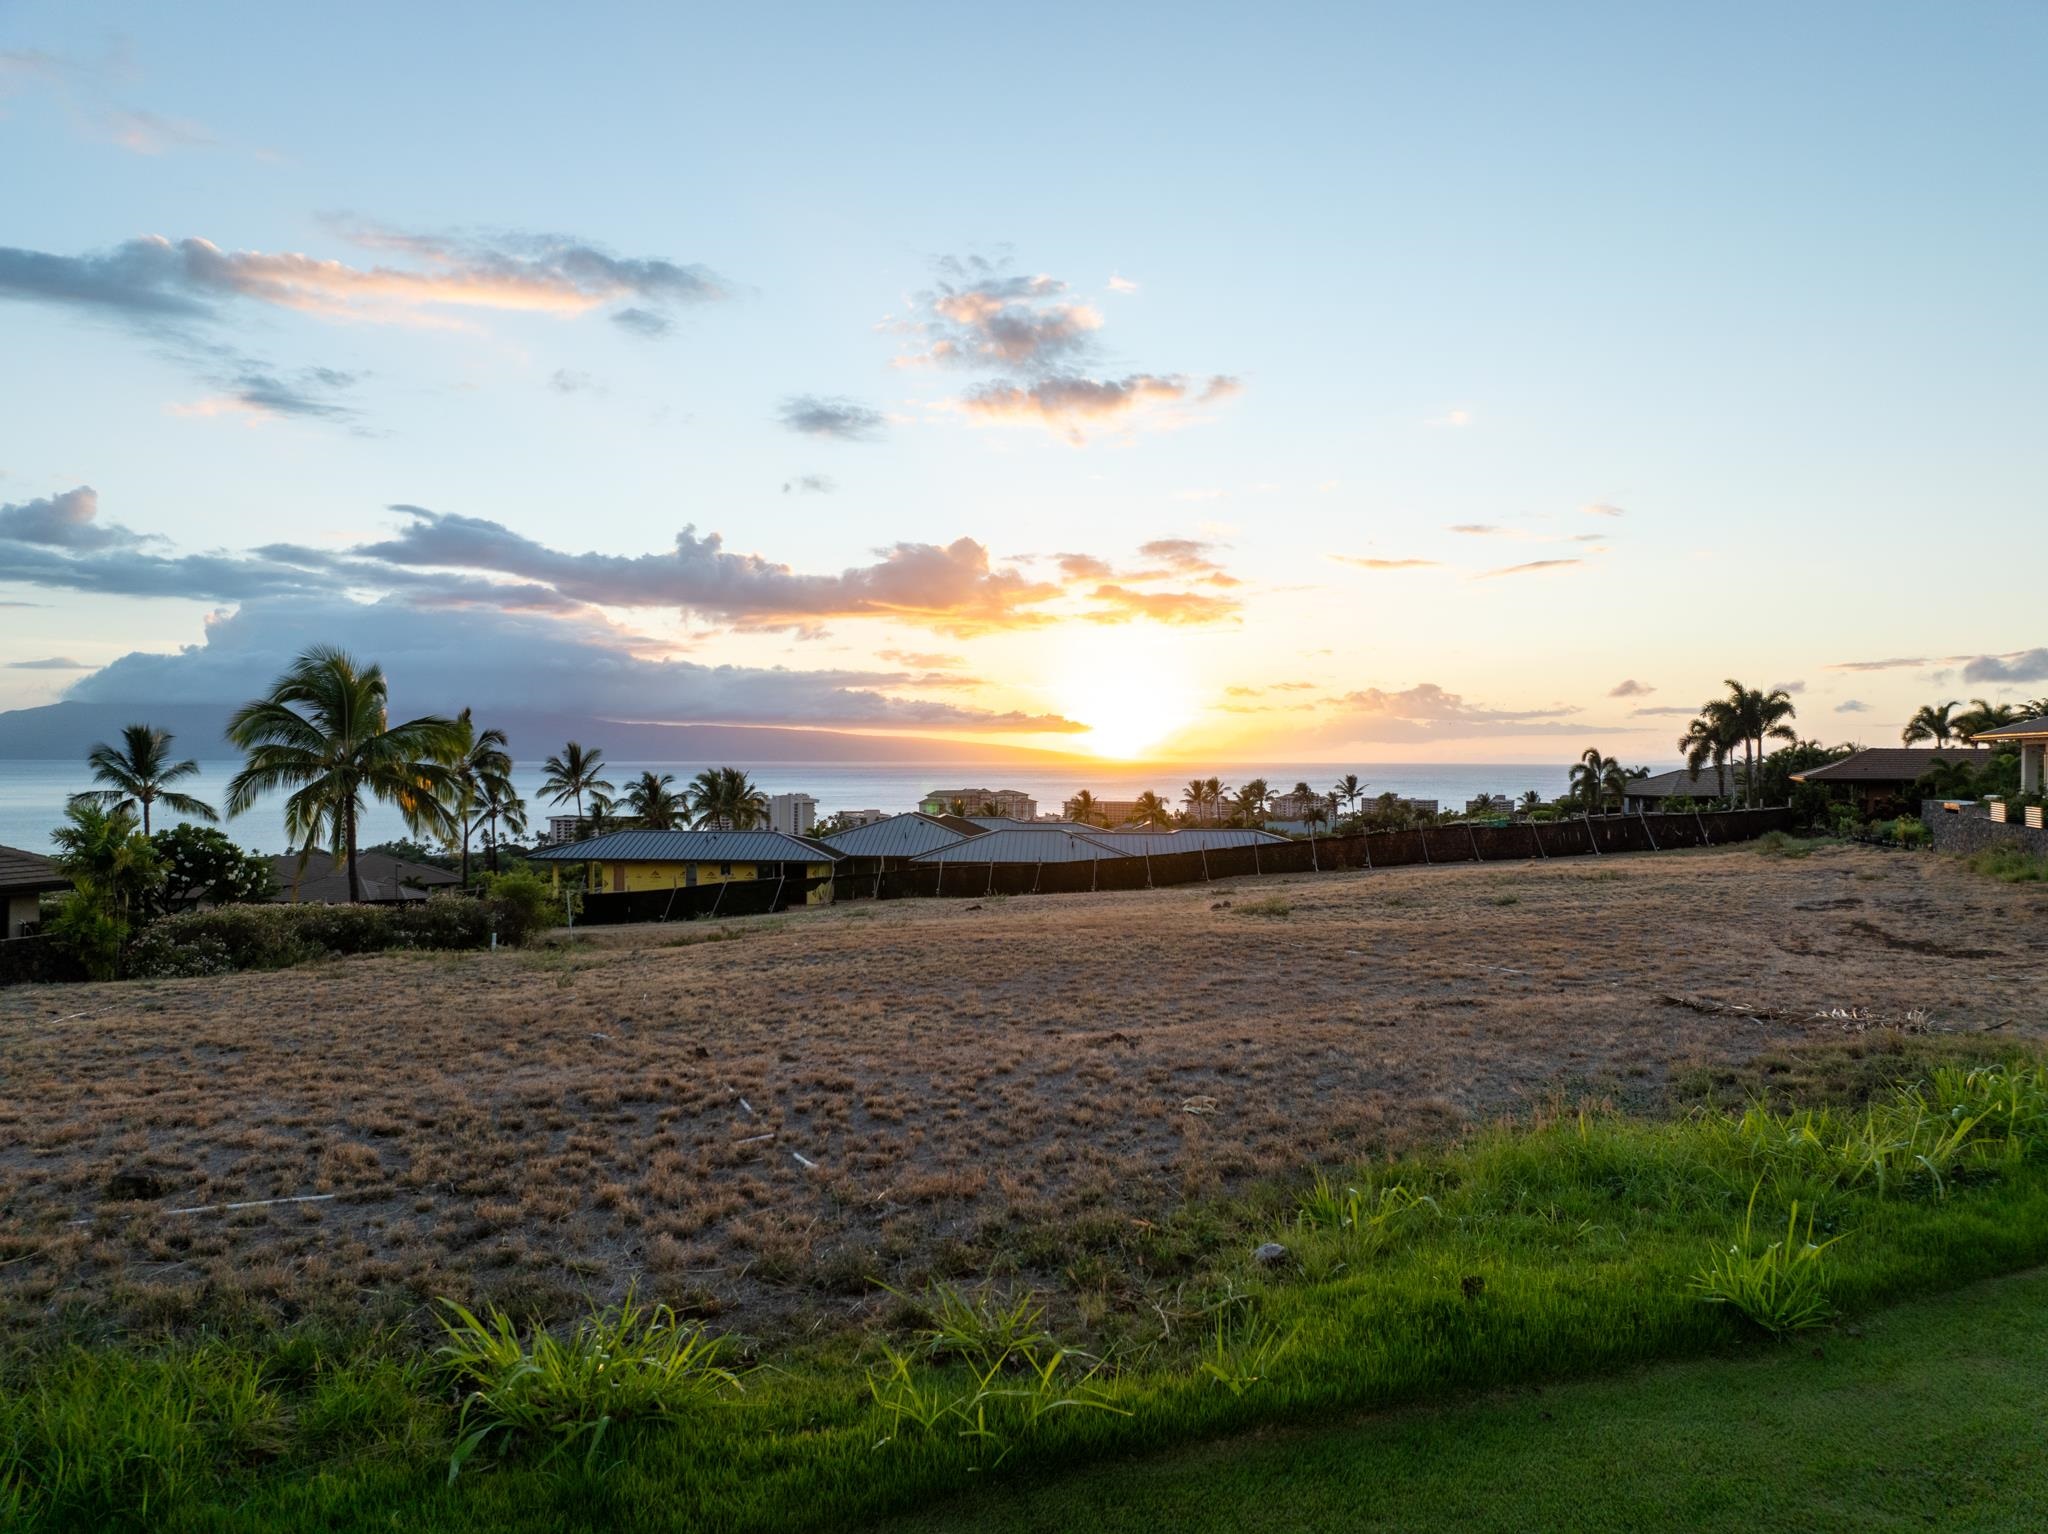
[[628, 862], [1010, 803], [2031, 736], [25, 877], [565, 828], [851, 818], [792, 814], [1298, 806], [900, 836], [1028, 844], [1113, 812], [1489, 804], [382, 878], [1879, 773], [1647, 794]]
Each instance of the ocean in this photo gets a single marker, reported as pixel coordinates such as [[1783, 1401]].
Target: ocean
[[32, 793]]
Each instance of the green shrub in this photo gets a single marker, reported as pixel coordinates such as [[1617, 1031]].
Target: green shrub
[[1909, 831], [1844, 819], [88, 928], [633, 1364], [523, 905], [2011, 865], [237, 937]]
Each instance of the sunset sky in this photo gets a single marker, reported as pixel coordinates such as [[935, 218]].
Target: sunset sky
[[1317, 383]]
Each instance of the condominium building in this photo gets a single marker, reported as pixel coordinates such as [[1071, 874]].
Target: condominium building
[[792, 814], [1010, 803]]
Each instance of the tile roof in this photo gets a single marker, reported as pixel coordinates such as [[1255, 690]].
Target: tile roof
[[1704, 784], [900, 836], [28, 873], [1041, 844], [1886, 764], [382, 878], [691, 847]]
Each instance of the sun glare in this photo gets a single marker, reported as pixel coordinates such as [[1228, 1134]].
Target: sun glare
[[1131, 688]]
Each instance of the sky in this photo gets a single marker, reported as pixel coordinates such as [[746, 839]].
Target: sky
[[1177, 382]]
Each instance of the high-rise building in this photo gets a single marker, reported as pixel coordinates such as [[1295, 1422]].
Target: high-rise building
[[792, 814], [1010, 803]]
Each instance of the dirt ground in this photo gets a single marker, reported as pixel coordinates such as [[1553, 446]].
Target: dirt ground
[[763, 1118]]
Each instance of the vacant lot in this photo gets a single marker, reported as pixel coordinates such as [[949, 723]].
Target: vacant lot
[[763, 1126]]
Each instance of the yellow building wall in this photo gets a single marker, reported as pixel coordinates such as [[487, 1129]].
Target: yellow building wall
[[666, 876]]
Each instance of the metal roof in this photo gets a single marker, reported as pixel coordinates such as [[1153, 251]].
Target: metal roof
[[1005, 823], [900, 836], [2021, 728], [1190, 839], [691, 847], [1044, 844]]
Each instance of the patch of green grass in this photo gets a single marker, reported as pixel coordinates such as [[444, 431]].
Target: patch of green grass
[[2010, 865], [1272, 905], [1928, 1416], [1782, 844], [1550, 1252]]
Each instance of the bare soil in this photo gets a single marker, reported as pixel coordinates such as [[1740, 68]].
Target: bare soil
[[764, 1118]]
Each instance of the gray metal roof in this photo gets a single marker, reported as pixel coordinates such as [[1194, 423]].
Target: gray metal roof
[[1043, 844], [2019, 727], [900, 836], [691, 847], [1004, 823], [1189, 839]]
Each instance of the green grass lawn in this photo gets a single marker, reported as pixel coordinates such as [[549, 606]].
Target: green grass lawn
[[1927, 1415]]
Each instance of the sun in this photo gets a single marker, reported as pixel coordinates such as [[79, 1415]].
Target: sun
[[1133, 690]]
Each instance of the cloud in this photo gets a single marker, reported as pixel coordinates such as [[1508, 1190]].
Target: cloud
[[1121, 284], [983, 317], [66, 521], [146, 133], [1084, 567], [922, 660], [1630, 688], [844, 419], [1898, 664], [1602, 509], [1529, 567], [648, 324], [1121, 604], [1454, 418], [306, 395], [1067, 403], [1852, 706], [2013, 666], [1673, 710], [50, 663], [1427, 712], [1791, 687], [571, 381], [808, 484], [1363, 563], [1478, 529], [440, 660]]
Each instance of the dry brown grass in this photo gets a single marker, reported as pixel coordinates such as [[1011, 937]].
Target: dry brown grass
[[969, 1084]]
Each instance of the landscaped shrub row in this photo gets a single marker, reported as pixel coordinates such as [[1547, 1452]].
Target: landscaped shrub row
[[237, 937]]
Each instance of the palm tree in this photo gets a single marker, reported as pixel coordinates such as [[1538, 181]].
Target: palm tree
[[1081, 809], [1251, 801], [602, 813], [573, 774], [1982, 716], [482, 769], [725, 797], [1756, 715], [1531, 800], [1214, 789], [138, 773], [325, 732], [502, 803], [1710, 737], [1615, 779], [1930, 721], [105, 855], [1589, 778], [1349, 789], [1152, 811], [1196, 797], [653, 802]]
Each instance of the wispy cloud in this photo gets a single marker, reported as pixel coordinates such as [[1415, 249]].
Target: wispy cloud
[[1852, 706], [1602, 509], [1071, 404], [1630, 688], [49, 663], [808, 484], [1427, 711], [1529, 567], [844, 419], [1366, 562], [1898, 664]]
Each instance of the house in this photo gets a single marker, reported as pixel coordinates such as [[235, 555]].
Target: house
[[1290, 806], [384, 879], [626, 862], [1644, 795], [2031, 737], [25, 877], [1030, 844], [1878, 773], [792, 814]]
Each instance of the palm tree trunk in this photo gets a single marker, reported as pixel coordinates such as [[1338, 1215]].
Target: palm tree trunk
[[494, 841], [348, 832], [465, 854], [145, 814]]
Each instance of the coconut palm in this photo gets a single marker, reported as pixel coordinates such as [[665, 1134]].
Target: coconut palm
[[481, 764], [325, 732], [501, 803], [1251, 801], [1615, 779], [1215, 788], [603, 813], [1931, 721], [1082, 809], [1981, 716], [653, 802], [1196, 797], [725, 798], [572, 774], [1152, 811], [1349, 789], [1710, 737], [138, 773], [1589, 778]]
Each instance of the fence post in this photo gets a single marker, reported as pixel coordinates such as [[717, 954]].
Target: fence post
[[1423, 832], [1474, 837], [991, 879], [1536, 830], [1037, 873], [1591, 839], [1705, 840], [1644, 817], [1365, 841]]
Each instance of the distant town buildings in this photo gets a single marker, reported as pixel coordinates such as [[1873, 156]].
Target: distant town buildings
[[792, 814], [848, 819], [1010, 803], [1490, 804], [1298, 806], [565, 828]]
